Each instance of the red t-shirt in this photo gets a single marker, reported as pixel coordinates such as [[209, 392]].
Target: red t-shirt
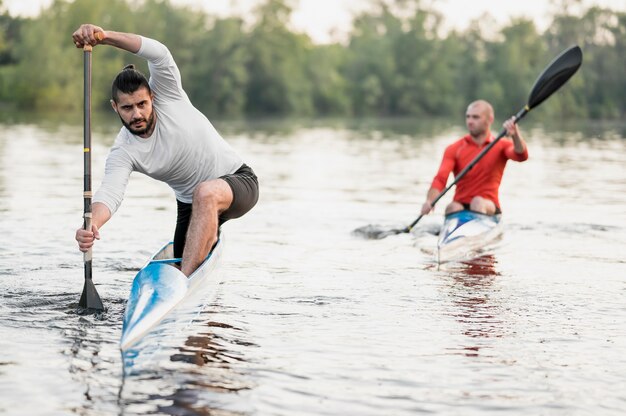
[[485, 177]]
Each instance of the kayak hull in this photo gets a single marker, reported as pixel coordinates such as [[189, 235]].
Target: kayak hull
[[466, 234], [158, 288]]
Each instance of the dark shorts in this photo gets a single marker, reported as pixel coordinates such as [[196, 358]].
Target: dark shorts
[[467, 207], [245, 188]]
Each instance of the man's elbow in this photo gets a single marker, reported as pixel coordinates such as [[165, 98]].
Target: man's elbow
[[521, 156]]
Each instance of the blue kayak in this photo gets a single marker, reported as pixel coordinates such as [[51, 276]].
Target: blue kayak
[[466, 234], [158, 288]]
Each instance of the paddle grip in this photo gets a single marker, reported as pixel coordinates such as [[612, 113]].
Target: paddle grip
[[99, 37]]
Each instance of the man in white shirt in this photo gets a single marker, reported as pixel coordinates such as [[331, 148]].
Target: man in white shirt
[[165, 137]]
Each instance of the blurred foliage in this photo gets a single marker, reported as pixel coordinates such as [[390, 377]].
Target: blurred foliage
[[396, 60]]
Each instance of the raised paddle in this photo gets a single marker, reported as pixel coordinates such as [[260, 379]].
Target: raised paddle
[[90, 300], [551, 79]]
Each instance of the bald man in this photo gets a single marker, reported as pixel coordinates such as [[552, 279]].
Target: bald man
[[478, 189]]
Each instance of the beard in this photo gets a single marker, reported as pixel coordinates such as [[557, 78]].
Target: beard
[[138, 132], [477, 131]]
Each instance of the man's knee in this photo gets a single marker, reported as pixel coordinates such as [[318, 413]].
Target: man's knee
[[480, 204], [454, 207], [213, 194], [205, 194]]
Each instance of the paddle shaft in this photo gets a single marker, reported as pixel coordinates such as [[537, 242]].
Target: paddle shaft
[[87, 192], [89, 300], [87, 258], [470, 165]]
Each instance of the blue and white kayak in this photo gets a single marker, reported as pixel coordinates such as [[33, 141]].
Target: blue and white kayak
[[159, 287], [466, 234]]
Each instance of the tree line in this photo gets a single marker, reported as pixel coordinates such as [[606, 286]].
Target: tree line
[[395, 61]]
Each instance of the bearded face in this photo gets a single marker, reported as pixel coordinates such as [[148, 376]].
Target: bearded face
[[135, 112]]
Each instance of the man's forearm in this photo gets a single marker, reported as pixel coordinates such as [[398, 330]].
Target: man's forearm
[[519, 145], [100, 214], [432, 194], [90, 34], [127, 41]]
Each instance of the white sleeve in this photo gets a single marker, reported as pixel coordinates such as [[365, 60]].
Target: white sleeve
[[116, 173], [165, 79]]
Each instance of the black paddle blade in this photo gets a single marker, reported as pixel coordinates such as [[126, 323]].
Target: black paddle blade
[[555, 75], [90, 300], [376, 232]]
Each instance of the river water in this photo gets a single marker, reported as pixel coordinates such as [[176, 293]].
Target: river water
[[309, 319]]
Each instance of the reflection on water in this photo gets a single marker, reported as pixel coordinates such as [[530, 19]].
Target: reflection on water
[[205, 348], [479, 271], [310, 320], [471, 288], [190, 379]]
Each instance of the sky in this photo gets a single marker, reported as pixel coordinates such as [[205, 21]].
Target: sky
[[328, 20]]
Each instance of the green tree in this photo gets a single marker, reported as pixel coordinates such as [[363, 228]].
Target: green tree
[[4, 21], [181, 29], [218, 69], [469, 58], [618, 60], [278, 82], [513, 63], [371, 66], [49, 72], [425, 65], [10, 29], [601, 89], [329, 86], [396, 62]]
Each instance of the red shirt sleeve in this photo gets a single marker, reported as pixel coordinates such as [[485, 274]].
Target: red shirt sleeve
[[447, 164], [509, 152]]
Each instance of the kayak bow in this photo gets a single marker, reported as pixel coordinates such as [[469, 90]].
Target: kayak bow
[[465, 234], [158, 288]]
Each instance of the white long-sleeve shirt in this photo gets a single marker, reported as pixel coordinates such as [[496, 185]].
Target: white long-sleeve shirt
[[184, 149]]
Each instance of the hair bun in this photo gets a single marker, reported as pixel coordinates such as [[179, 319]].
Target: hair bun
[[129, 66]]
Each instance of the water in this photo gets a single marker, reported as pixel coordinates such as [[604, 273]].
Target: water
[[310, 320]]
